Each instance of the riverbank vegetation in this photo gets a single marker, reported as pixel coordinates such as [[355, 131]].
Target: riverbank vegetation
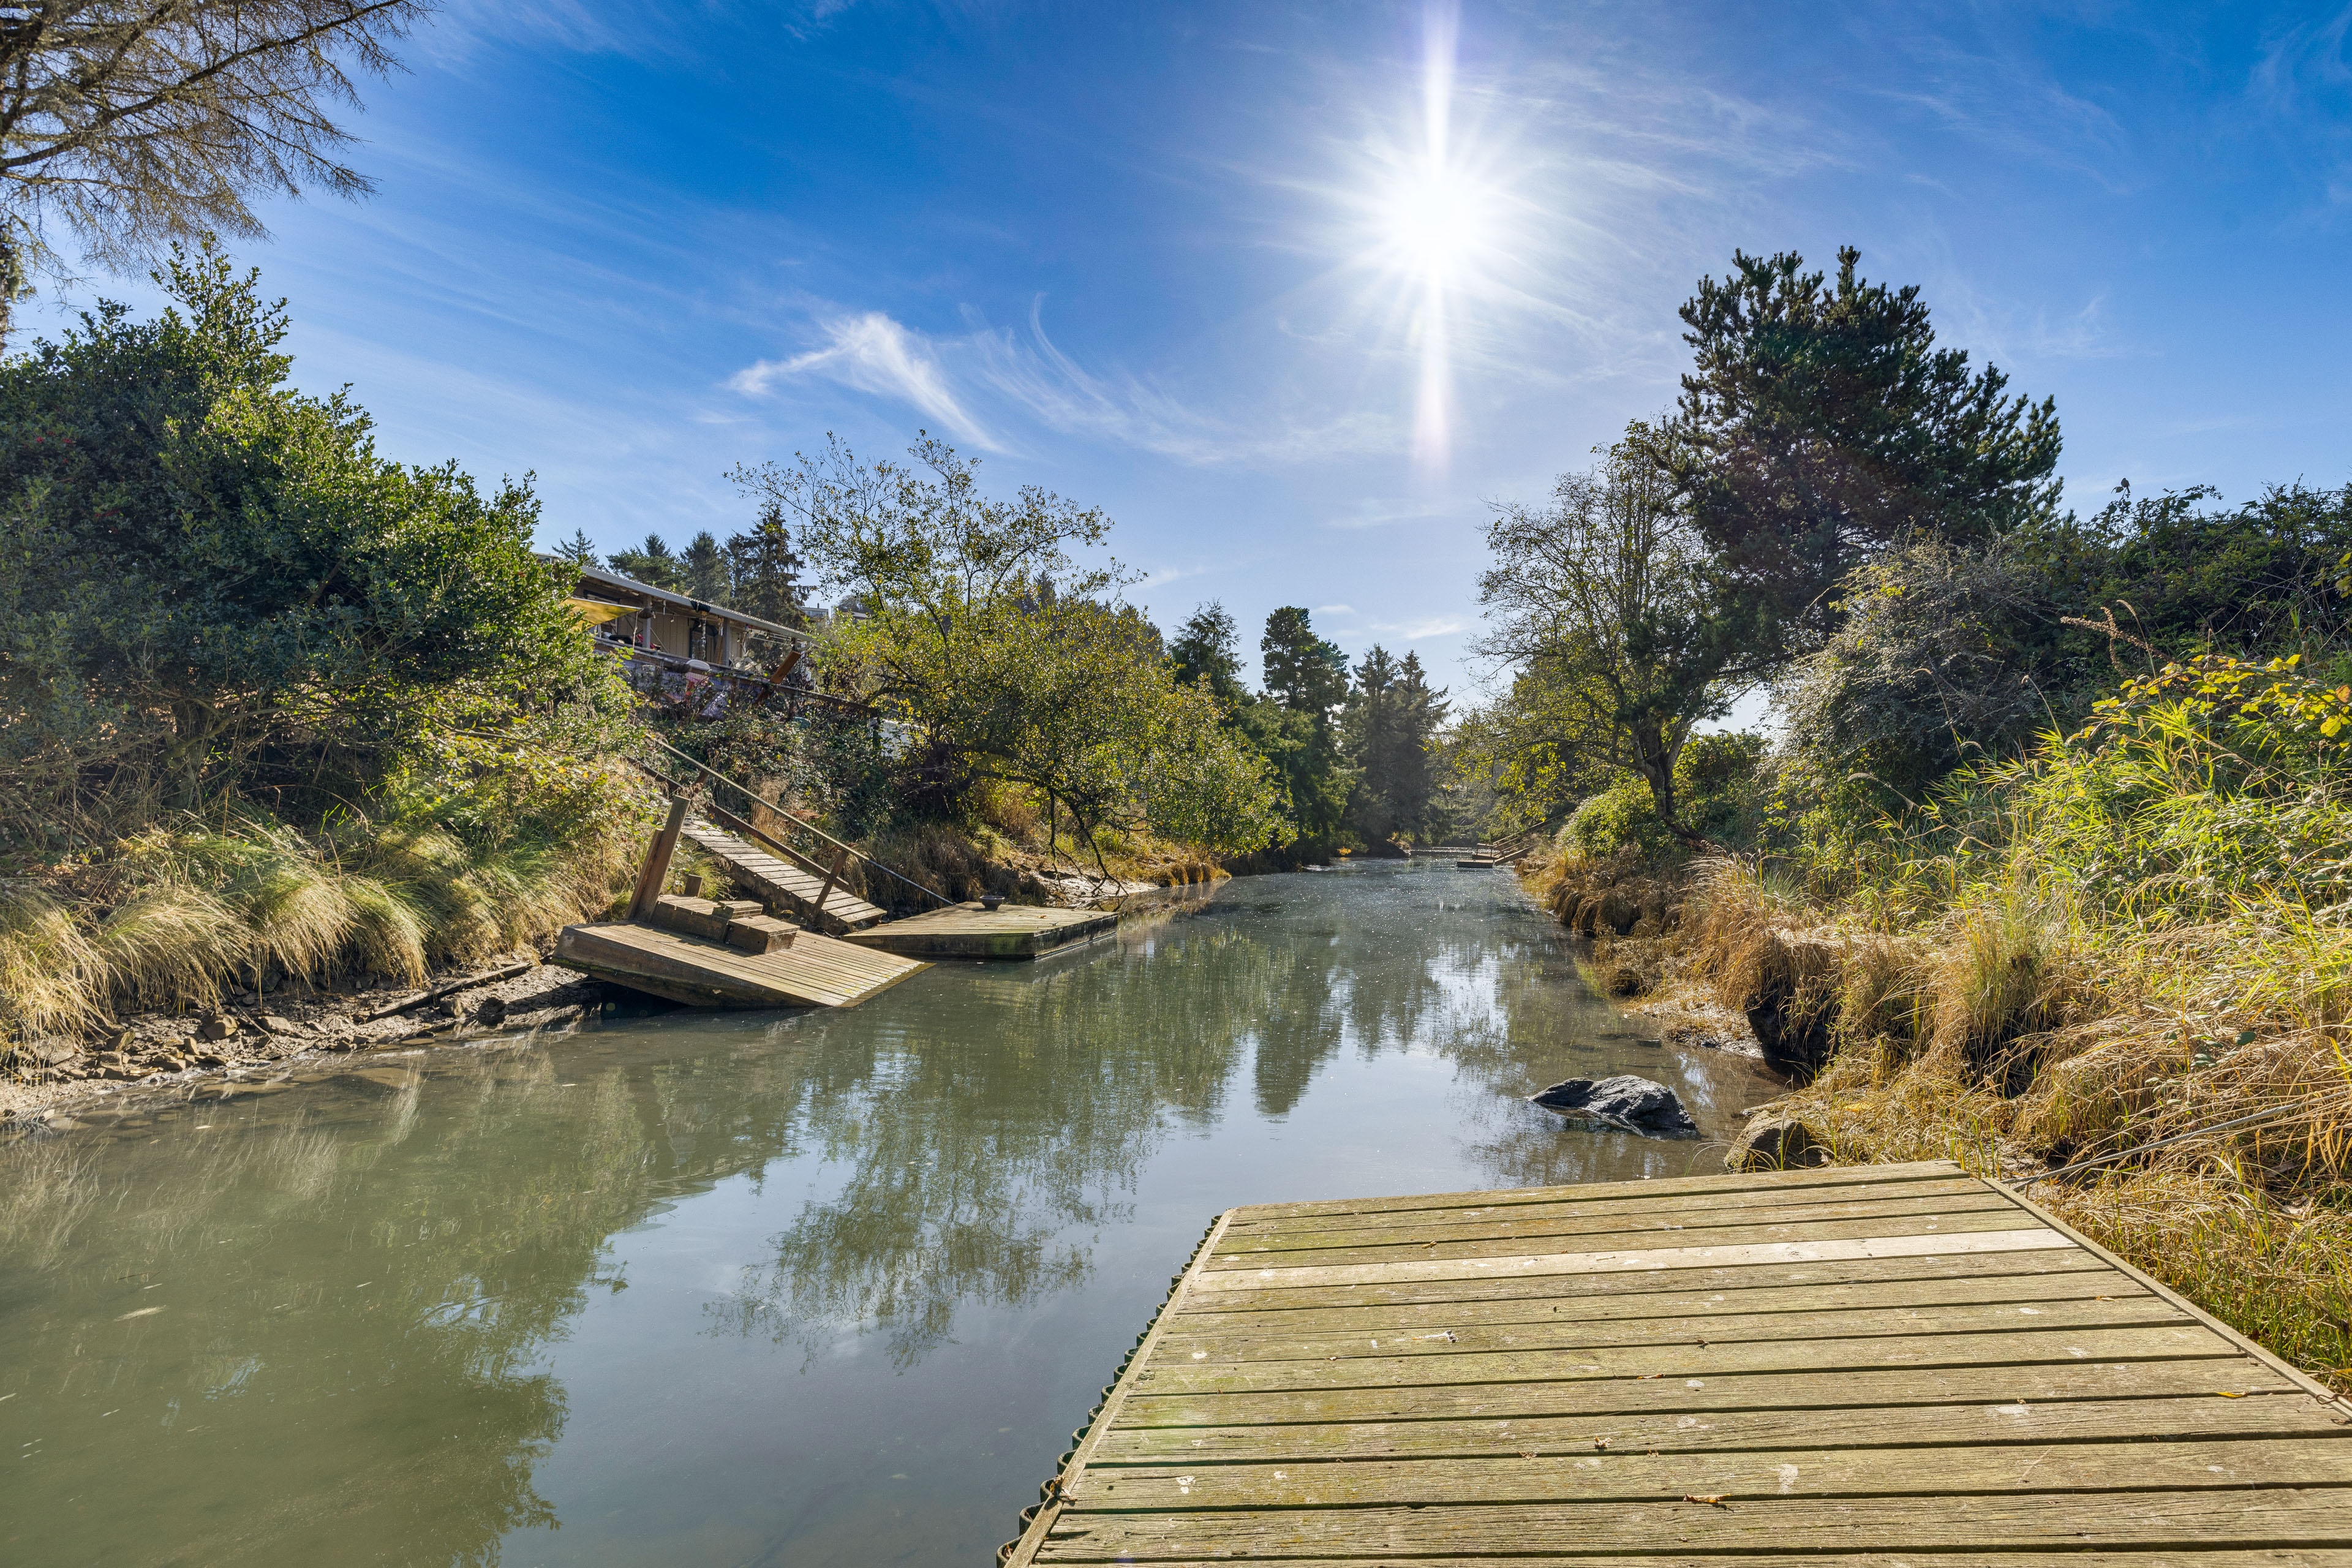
[[2044, 861]]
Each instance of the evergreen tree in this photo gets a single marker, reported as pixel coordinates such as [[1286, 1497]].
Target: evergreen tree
[[654, 563], [1210, 645], [1390, 724], [1821, 426], [766, 570], [704, 567], [1306, 678], [579, 550]]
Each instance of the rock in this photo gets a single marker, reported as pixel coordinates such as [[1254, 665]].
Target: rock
[[51, 1052], [1635, 1104], [278, 1023], [1775, 1143], [491, 1013], [216, 1026]]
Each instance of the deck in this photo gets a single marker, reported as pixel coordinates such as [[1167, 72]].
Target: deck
[[1868, 1366], [968, 931], [815, 972]]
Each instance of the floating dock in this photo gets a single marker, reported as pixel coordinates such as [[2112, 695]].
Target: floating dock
[[1872, 1365], [813, 972], [970, 931]]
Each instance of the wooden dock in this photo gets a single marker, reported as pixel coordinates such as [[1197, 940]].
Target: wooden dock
[[1868, 1366], [970, 931], [814, 972]]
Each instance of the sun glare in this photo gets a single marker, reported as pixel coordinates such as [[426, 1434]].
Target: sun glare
[[1432, 221]]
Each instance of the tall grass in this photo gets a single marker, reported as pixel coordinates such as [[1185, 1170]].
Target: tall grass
[[187, 908], [2138, 932]]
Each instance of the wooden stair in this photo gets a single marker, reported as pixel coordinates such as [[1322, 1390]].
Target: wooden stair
[[780, 885]]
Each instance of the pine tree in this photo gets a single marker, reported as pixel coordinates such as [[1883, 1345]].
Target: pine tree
[[766, 572], [704, 566], [1306, 678], [1209, 644], [1390, 724], [654, 563], [579, 550]]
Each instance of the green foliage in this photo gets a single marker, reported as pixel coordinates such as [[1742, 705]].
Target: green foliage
[[1600, 604], [212, 582], [1719, 779], [1208, 647], [1303, 672], [763, 572], [1013, 663], [1818, 426], [654, 563], [1389, 729]]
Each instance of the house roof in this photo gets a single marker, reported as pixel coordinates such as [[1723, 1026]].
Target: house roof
[[596, 576]]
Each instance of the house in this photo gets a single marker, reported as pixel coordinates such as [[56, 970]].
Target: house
[[672, 629]]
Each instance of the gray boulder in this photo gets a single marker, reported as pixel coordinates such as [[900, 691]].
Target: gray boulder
[[1634, 1104], [1776, 1144]]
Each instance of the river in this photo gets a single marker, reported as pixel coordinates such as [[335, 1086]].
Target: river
[[826, 1288]]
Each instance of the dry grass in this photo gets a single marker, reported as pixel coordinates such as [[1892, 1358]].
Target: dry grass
[[180, 913]]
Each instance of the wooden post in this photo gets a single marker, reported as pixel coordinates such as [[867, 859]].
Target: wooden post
[[824, 892], [656, 866]]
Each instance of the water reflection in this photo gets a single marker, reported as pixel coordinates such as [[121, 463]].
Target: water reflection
[[362, 1319]]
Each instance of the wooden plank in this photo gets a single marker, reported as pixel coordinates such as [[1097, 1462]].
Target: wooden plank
[[780, 884], [1812, 1389], [1662, 1187], [2201, 1519], [1993, 1215], [2028, 1238], [1613, 1476], [1439, 1336], [1693, 1362], [1246, 1235], [1772, 1297], [2283, 1413], [969, 931], [2274, 1556], [815, 970], [1596, 1288]]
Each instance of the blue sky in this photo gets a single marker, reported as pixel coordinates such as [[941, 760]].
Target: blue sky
[[1174, 259]]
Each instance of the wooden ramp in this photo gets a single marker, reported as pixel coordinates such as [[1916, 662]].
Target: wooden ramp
[[779, 884], [1870, 1365], [814, 972], [968, 931]]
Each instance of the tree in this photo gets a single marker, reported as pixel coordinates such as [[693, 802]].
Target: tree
[[1599, 603], [703, 569], [764, 572], [1390, 725], [654, 563], [579, 550], [1208, 647], [1306, 678], [213, 578], [134, 126], [1013, 662], [1818, 426]]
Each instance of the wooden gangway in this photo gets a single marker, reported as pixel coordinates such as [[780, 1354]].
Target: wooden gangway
[[1868, 1365], [781, 884]]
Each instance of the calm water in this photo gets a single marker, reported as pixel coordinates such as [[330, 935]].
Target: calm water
[[756, 1289]]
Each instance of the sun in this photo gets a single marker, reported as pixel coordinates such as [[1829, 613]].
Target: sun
[[1434, 221]]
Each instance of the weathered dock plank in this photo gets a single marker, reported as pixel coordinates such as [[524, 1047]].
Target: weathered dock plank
[[814, 972], [970, 931], [783, 887], [1825, 1366]]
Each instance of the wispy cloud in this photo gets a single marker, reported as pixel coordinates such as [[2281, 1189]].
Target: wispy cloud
[[874, 353]]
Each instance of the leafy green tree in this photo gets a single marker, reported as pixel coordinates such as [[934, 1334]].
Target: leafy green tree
[[1389, 726], [654, 563], [1819, 426], [1013, 662], [764, 571], [208, 579], [1600, 605]]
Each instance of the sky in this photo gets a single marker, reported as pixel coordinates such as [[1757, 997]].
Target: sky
[[1296, 292]]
